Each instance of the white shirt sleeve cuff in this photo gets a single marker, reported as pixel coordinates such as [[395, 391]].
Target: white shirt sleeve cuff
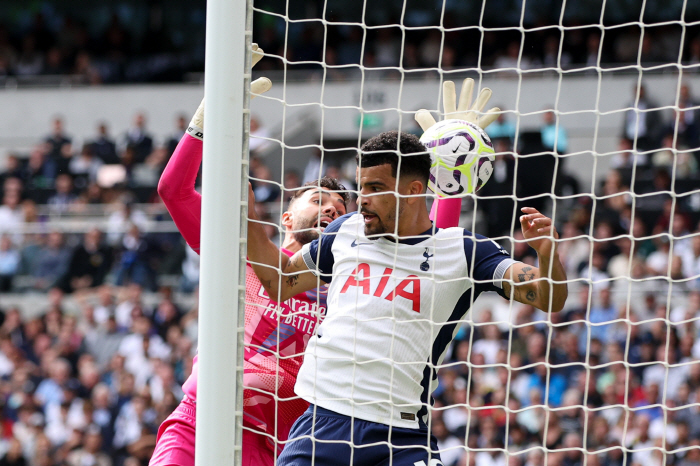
[[501, 271]]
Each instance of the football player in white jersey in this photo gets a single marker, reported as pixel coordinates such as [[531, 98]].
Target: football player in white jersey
[[398, 289]]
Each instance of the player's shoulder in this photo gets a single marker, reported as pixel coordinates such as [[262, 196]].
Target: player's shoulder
[[335, 225], [481, 243]]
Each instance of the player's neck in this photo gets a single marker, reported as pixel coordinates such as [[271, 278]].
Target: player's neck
[[291, 244], [414, 225]]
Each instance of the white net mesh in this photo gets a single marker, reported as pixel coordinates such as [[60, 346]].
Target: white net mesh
[[600, 131]]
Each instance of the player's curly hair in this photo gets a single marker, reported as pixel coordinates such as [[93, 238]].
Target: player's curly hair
[[382, 149], [326, 182]]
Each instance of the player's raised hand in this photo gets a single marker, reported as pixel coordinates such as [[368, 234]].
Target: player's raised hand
[[257, 87], [465, 110], [538, 230]]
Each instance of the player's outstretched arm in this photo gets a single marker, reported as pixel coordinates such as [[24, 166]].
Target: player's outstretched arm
[[533, 285], [176, 185], [267, 262]]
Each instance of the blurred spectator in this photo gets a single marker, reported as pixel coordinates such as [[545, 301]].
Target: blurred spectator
[[553, 133], [14, 455], [124, 216], [135, 260], [502, 128], [131, 305], [51, 390], [55, 62], [602, 311], [104, 146], [9, 263], [30, 60], [314, 167], [39, 172], [258, 134], [89, 264], [266, 189], [90, 453], [57, 139], [51, 261], [141, 348], [512, 60], [84, 71], [13, 169], [554, 56], [63, 200], [190, 271], [139, 139], [291, 182], [494, 198], [642, 121], [691, 260], [686, 119], [11, 214], [180, 128], [626, 157], [84, 167]]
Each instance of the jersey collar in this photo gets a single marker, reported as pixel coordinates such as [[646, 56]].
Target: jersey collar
[[414, 239]]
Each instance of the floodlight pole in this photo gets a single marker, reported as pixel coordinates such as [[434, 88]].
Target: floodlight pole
[[224, 187]]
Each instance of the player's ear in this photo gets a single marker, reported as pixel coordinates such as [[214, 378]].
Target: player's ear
[[287, 219], [415, 189]]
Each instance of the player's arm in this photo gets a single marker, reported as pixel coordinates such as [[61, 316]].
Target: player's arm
[[267, 261], [538, 286], [176, 185], [176, 188]]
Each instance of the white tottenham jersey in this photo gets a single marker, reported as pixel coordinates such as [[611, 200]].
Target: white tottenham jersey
[[393, 309]]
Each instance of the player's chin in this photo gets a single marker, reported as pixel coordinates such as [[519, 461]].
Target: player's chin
[[374, 228]]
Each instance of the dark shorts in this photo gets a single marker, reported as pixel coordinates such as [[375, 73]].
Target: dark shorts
[[336, 440]]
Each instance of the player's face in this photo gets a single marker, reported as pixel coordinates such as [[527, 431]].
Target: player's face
[[378, 202], [313, 211]]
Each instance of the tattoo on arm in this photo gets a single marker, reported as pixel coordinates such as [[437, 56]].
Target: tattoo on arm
[[526, 275], [292, 280], [531, 295]]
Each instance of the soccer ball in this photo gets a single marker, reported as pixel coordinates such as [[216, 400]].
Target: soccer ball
[[462, 157]]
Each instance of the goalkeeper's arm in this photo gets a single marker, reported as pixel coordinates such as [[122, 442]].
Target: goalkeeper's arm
[[176, 185], [445, 211]]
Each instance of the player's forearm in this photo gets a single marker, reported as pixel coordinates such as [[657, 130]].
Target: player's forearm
[[554, 289], [176, 188], [445, 212], [266, 259]]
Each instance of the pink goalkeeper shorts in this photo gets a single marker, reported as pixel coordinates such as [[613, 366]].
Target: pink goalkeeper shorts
[[175, 441]]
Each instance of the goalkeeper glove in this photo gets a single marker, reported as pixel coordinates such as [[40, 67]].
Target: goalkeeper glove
[[257, 87], [464, 112]]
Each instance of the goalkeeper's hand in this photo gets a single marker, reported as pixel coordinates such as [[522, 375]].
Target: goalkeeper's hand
[[257, 87], [473, 114]]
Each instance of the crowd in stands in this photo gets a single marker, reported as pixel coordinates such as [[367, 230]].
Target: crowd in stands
[[613, 380], [56, 42]]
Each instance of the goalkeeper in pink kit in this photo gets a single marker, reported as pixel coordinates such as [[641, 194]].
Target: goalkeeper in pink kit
[[276, 334]]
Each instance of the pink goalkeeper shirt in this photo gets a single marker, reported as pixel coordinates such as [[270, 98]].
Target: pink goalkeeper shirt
[[275, 334]]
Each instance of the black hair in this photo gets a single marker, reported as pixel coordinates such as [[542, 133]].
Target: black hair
[[326, 182], [386, 147]]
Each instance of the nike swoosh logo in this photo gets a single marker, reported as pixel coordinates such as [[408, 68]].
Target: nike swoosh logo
[[356, 244], [454, 151]]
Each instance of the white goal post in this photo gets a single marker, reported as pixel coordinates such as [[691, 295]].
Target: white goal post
[[220, 394]]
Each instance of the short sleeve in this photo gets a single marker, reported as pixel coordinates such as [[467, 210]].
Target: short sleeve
[[488, 260], [318, 254]]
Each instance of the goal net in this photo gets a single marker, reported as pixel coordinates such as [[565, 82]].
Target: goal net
[[599, 129]]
